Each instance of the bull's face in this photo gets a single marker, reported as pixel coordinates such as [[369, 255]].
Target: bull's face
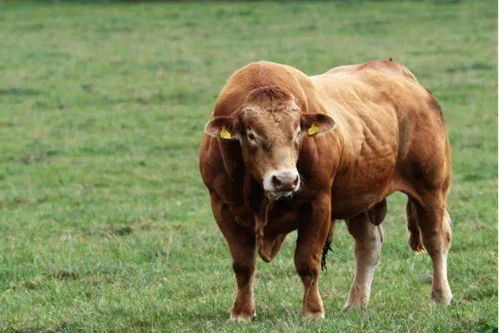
[[270, 132]]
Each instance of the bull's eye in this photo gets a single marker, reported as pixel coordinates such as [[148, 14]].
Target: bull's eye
[[297, 137], [251, 137]]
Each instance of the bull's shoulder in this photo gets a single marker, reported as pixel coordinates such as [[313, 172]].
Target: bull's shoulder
[[209, 157], [222, 168]]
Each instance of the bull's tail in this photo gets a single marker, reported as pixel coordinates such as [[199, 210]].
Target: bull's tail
[[415, 236], [327, 245]]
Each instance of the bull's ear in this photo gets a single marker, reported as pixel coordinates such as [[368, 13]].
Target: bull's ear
[[316, 123], [223, 127]]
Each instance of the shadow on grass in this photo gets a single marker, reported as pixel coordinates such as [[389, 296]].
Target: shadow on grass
[[62, 327], [343, 2], [19, 92]]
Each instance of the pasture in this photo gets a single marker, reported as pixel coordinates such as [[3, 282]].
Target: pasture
[[105, 224]]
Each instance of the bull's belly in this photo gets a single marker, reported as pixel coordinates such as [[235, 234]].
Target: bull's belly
[[349, 202], [346, 203], [285, 220], [348, 208], [358, 189]]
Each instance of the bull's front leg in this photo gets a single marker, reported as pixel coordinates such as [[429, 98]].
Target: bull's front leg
[[313, 229], [244, 258], [242, 245]]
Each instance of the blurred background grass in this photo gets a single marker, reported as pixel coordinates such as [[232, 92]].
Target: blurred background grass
[[104, 221]]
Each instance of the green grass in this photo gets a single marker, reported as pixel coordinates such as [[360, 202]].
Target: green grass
[[105, 224]]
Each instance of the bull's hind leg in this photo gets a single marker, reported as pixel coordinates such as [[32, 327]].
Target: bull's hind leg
[[368, 239], [242, 245], [434, 222]]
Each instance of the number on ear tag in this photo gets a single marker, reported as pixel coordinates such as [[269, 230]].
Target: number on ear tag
[[313, 130], [224, 134]]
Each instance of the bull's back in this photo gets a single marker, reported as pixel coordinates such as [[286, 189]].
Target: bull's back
[[390, 124]]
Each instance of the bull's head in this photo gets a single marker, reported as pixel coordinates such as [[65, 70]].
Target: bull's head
[[270, 129]]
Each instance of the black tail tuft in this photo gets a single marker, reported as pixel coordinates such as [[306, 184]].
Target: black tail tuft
[[327, 247]]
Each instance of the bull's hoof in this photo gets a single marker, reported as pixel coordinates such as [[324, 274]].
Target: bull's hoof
[[354, 306], [242, 317], [357, 299], [314, 315], [441, 296]]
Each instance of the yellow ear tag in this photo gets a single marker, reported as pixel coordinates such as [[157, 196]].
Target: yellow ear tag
[[313, 130], [224, 134]]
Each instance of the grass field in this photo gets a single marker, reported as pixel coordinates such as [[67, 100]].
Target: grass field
[[105, 224]]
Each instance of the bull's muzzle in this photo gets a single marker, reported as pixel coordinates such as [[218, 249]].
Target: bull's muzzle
[[281, 183]]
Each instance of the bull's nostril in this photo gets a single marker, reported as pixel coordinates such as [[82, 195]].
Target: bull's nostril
[[295, 182], [276, 181]]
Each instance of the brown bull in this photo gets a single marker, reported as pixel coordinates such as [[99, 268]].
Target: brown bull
[[284, 151]]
